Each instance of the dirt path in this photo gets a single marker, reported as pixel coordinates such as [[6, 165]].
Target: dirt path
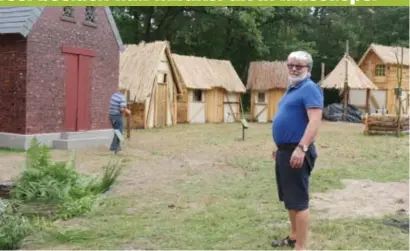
[[10, 166], [88, 161], [362, 198]]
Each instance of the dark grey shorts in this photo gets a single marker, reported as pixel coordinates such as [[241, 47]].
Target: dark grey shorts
[[293, 183]]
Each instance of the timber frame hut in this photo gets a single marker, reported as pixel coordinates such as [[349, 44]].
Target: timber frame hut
[[211, 90], [380, 63], [267, 82], [348, 74], [148, 72]]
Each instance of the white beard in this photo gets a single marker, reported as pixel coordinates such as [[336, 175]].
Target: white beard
[[294, 80]]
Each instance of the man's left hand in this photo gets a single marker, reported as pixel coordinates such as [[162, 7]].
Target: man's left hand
[[297, 159]]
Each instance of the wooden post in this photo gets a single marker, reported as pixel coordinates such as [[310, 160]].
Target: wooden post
[[366, 124], [346, 86], [244, 127], [322, 74], [252, 106], [129, 116], [241, 107], [398, 93], [368, 101], [407, 102]]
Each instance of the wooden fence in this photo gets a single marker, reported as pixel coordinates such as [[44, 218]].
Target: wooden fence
[[385, 124]]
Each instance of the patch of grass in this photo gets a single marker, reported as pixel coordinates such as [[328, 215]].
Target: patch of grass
[[54, 190], [330, 178], [11, 150], [363, 234], [219, 220], [13, 227], [73, 207], [232, 205]]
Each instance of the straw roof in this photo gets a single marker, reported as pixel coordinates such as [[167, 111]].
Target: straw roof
[[264, 75], [204, 73], [387, 54], [139, 65], [356, 78]]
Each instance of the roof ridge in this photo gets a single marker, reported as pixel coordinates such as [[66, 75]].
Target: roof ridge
[[23, 18], [388, 46]]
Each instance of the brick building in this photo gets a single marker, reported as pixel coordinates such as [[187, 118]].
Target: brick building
[[58, 68]]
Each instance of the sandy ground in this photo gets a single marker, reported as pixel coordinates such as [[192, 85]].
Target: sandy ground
[[10, 167], [362, 198]]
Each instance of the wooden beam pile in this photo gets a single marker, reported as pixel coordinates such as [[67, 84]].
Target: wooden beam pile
[[385, 124], [5, 191]]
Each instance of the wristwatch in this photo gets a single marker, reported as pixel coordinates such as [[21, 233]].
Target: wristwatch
[[303, 147]]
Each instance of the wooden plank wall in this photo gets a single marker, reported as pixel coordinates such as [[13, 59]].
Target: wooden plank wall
[[232, 107], [274, 97], [388, 82], [252, 106], [214, 105], [138, 115], [182, 107]]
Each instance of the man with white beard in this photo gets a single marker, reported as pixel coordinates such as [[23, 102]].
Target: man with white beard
[[294, 129]]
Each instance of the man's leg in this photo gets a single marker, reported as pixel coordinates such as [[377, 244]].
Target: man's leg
[[281, 183], [120, 123], [295, 188], [117, 125], [114, 138], [302, 228], [296, 200], [292, 218], [302, 216]]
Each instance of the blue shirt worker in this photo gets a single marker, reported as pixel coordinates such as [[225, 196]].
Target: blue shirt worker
[[294, 129], [118, 107]]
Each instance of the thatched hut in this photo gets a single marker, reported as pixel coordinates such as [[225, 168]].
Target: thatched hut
[[211, 90], [348, 71], [267, 82], [381, 65], [149, 73]]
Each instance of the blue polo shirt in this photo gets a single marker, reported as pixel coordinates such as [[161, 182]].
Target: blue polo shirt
[[291, 119]]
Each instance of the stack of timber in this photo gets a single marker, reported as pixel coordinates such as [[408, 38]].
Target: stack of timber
[[385, 124], [5, 191]]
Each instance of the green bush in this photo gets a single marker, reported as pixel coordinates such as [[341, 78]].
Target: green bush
[[13, 227], [56, 189], [75, 207]]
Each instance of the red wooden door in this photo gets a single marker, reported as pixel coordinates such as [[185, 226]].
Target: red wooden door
[[83, 110], [71, 90], [77, 89]]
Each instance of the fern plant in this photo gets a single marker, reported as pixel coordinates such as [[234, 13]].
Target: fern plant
[[58, 183], [13, 227]]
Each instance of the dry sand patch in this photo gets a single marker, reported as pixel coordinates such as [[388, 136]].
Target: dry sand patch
[[362, 198], [10, 167]]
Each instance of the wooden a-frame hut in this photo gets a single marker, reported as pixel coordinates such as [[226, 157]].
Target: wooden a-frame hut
[[211, 90], [267, 82], [381, 65], [347, 76], [147, 70]]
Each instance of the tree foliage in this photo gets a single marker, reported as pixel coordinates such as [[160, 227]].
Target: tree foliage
[[244, 34]]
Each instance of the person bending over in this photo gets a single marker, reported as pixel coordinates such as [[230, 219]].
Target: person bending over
[[118, 107]]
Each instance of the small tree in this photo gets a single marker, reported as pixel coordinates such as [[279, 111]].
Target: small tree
[[399, 89]]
